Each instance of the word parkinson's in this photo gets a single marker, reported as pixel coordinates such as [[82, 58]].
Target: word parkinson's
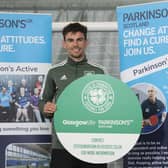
[[145, 15]]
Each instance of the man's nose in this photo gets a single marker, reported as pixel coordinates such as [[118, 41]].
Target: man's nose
[[75, 42]]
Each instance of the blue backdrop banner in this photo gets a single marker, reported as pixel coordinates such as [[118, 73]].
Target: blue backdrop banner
[[143, 39], [25, 56]]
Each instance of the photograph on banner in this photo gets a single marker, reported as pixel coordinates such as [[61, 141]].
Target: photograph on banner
[[153, 104], [19, 98], [29, 155]]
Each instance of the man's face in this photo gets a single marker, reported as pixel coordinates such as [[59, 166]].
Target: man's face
[[75, 44], [10, 83], [23, 82], [40, 78], [36, 91], [3, 90], [151, 93]]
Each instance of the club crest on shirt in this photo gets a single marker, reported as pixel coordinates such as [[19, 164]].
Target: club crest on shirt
[[147, 110]]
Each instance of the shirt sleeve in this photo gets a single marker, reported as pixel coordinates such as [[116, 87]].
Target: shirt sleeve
[[48, 92]]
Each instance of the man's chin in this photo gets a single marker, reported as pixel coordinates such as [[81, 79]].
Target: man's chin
[[77, 58]]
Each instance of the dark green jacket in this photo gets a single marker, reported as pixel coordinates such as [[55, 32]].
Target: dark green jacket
[[59, 77]]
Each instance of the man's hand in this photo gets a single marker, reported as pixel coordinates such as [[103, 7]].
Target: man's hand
[[49, 108], [146, 122]]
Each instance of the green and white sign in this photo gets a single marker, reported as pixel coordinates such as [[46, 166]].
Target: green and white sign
[[98, 118]]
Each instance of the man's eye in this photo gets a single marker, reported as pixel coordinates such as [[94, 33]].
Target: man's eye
[[80, 39], [69, 40]]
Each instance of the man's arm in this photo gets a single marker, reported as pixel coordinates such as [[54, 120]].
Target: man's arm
[[46, 104]]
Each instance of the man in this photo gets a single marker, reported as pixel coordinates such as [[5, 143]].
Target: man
[[38, 83], [153, 110], [24, 84], [22, 105], [5, 100], [75, 42], [11, 89], [34, 102]]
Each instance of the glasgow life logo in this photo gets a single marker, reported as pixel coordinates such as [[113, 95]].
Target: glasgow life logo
[[97, 96], [14, 23]]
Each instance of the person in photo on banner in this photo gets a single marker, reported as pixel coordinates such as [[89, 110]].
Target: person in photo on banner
[[38, 83], [5, 99], [58, 77], [153, 110], [34, 102], [22, 105], [24, 84]]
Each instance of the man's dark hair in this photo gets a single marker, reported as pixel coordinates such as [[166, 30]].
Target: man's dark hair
[[75, 27]]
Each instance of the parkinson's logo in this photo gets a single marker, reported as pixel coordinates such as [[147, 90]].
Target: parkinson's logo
[[97, 96], [14, 23]]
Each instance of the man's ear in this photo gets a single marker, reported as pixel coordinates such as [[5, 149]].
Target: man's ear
[[87, 43], [64, 44]]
